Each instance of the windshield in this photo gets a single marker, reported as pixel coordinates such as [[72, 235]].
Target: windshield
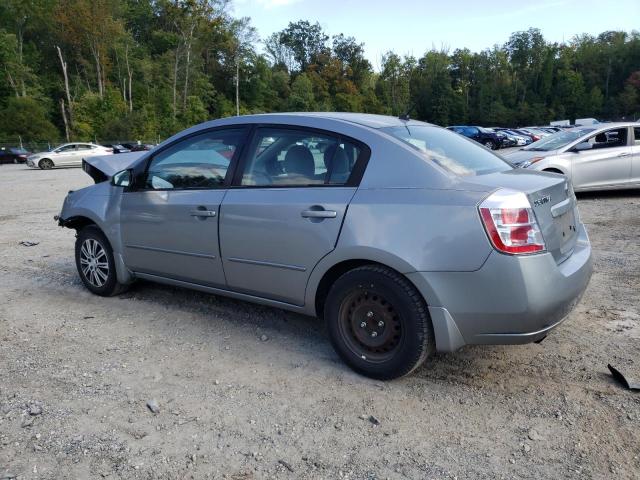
[[558, 140], [449, 150]]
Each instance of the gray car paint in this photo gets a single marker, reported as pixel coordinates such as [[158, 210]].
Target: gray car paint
[[407, 213]]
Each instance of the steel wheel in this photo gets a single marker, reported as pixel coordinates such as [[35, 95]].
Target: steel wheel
[[370, 326], [94, 262]]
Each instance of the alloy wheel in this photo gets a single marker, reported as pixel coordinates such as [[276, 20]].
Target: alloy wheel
[[94, 262]]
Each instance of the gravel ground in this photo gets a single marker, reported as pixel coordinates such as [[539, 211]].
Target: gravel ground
[[249, 392]]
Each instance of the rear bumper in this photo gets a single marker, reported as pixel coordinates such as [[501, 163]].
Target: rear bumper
[[509, 300]]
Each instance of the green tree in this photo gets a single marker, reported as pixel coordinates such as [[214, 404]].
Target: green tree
[[25, 117]]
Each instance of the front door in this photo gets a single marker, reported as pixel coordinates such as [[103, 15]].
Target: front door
[[607, 163], [635, 158], [285, 211], [170, 219], [64, 155]]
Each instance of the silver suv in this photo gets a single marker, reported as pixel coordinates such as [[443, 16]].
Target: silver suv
[[405, 237]]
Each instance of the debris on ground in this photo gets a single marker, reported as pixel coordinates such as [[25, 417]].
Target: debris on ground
[[27, 243], [286, 465], [153, 406], [629, 385]]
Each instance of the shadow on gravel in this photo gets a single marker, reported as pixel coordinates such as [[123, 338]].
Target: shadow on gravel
[[215, 307], [609, 194]]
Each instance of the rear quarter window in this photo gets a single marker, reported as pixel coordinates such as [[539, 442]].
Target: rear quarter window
[[450, 151]]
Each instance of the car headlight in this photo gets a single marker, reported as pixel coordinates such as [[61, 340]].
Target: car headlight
[[530, 162]]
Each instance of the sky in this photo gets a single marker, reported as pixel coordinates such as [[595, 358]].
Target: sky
[[413, 26]]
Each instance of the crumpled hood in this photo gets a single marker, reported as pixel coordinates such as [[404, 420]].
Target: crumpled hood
[[110, 164]]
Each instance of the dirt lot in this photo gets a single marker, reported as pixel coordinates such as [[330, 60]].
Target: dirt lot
[[252, 392]]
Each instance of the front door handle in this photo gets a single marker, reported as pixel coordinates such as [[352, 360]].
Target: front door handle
[[625, 154], [202, 212], [319, 214]]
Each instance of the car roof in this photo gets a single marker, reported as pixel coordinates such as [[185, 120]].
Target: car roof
[[366, 119]]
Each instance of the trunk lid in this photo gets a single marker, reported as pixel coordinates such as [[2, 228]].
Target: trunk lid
[[552, 200]]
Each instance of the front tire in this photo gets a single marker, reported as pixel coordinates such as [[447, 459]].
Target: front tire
[[95, 263], [490, 145], [45, 164], [379, 323]]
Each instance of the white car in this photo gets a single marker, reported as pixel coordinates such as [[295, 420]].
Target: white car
[[66, 155]]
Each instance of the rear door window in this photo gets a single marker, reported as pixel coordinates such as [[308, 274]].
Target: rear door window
[[298, 157]]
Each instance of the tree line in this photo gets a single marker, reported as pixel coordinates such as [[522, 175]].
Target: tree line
[[145, 69]]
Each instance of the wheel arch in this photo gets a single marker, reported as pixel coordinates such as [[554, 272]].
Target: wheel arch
[[553, 169], [78, 222], [336, 264], [84, 219]]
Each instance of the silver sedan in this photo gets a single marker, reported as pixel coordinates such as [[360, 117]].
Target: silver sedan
[[597, 157], [405, 237]]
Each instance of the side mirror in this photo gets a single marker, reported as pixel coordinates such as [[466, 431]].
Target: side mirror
[[122, 179], [582, 146]]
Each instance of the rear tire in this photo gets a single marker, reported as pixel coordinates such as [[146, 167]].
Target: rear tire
[[378, 322], [45, 164], [95, 263]]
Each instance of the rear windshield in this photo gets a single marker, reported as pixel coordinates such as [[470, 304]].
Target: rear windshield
[[449, 150]]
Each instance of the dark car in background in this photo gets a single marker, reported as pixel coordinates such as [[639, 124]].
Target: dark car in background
[[13, 155], [138, 147], [486, 137], [117, 148]]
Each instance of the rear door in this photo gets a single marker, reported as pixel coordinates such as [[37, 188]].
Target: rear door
[[169, 221], [606, 164], [83, 150], [286, 208]]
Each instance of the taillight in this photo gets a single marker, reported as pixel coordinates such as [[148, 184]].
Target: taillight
[[510, 223]]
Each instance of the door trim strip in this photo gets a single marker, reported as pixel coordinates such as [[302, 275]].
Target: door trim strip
[[176, 252], [268, 264]]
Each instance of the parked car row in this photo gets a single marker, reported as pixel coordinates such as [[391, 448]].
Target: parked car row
[[501, 137]]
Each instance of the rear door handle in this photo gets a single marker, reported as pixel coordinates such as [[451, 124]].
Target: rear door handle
[[626, 154], [319, 213], [202, 213]]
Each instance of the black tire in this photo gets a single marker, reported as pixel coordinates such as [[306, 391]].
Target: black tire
[[45, 164], [490, 145], [15, 160], [371, 292], [103, 280]]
